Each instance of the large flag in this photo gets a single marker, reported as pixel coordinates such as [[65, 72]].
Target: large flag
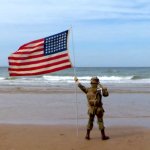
[[41, 56]]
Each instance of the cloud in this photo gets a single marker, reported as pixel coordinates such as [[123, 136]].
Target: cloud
[[118, 10], [49, 11]]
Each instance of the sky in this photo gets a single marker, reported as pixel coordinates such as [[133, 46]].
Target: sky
[[104, 33]]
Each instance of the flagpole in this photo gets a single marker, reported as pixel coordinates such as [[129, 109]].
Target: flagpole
[[74, 68]]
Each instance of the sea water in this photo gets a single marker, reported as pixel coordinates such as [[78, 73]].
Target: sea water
[[107, 75]]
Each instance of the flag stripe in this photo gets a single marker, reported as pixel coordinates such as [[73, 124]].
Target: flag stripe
[[33, 43], [39, 63], [18, 55], [39, 59], [25, 58], [20, 63], [30, 68], [41, 71], [28, 51]]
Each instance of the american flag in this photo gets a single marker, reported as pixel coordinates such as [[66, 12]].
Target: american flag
[[41, 56]]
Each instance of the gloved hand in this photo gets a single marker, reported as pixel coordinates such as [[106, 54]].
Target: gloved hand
[[75, 79], [104, 88], [105, 92]]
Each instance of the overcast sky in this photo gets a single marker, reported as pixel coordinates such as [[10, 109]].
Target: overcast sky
[[105, 32]]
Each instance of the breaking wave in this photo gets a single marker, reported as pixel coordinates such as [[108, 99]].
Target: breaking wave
[[47, 80], [106, 79]]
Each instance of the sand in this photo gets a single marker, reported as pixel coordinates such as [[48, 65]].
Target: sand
[[37, 137]]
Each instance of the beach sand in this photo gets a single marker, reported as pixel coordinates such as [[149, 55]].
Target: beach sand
[[20, 107], [36, 137]]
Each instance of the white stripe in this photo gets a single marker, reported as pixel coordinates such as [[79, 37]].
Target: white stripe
[[34, 44], [42, 69], [39, 64], [30, 49], [38, 58], [26, 55]]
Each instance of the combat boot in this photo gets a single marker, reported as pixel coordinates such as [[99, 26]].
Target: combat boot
[[104, 137], [87, 134]]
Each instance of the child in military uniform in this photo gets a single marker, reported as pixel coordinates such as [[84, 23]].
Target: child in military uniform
[[95, 106]]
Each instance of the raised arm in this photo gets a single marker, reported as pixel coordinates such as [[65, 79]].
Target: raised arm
[[83, 88]]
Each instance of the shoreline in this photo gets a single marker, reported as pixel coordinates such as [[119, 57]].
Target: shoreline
[[66, 89]]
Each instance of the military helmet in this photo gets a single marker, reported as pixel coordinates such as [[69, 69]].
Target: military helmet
[[94, 80]]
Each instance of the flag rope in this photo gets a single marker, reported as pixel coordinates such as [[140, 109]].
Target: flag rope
[[74, 68]]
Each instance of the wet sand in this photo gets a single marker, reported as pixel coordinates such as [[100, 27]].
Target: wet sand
[[33, 105]]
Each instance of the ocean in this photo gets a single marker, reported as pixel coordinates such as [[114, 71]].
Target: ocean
[[128, 103], [115, 76]]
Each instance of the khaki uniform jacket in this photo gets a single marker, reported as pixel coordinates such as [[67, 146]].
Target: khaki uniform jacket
[[94, 98]]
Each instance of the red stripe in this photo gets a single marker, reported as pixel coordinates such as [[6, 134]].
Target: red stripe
[[42, 72], [38, 61], [30, 47], [29, 52], [32, 42], [25, 58], [39, 67]]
